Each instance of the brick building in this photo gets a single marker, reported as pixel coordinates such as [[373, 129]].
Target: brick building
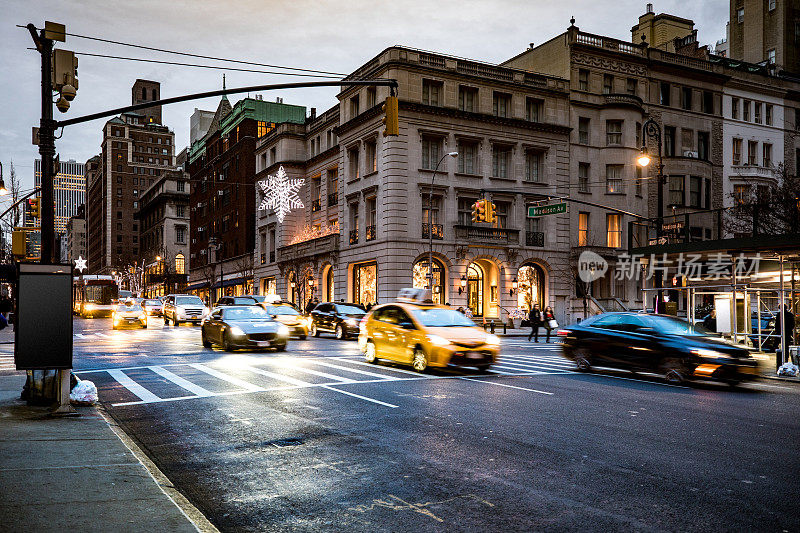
[[766, 31]]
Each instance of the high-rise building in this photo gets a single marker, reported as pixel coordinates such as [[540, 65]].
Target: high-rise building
[[199, 123], [136, 149], [766, 31], [76, 235], [69, 191]]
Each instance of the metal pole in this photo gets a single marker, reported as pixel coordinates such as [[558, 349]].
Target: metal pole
[[735, 305], [47, 149], [779, 355], [652, 129]]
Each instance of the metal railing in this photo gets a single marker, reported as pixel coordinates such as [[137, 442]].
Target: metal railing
[[477, 233], [438, 231], [371, 232], [353, 236]]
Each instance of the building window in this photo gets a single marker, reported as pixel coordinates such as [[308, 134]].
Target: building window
[[180, 186], [180, 264], [669, 141], [534, 109], [638, 134], [354, 107], [501, 160], [608, 84], [757, 112], [467, 157], [702, 145], [639, 180], [613, 231], [707, 196], [431, 92], [767, 155], [430, 213], [431, 152], [583, 177], [664, 94], [333, 187], [354, 223], [465, 210], [533, 166], [372, 217], [632, 86], [737, 151], [614, 178], [467, 98], [583, 229], [354, 167], [583, 79], [365, 283], [686, 98], [746, 110], [501, 104], [735, 108], [501, 212], [583, 130], [771, 5], [119, 215], [119, 238], [694, 191], [676, 189], [371, 99], [372, 156], [771, 56], [768, 114], [180, 211], [708, 102], [613, 132], [740, 15], [741, 193], [752, 152]]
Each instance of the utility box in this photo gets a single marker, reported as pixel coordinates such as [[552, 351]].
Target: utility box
[[43, 323]]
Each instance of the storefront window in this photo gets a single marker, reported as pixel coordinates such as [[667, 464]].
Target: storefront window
[[420, 279], [475, 289], [365, 280], [270, 287], [530, 290]]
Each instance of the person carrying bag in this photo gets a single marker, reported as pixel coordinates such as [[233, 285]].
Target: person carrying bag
[[549, 319], [535, 320]]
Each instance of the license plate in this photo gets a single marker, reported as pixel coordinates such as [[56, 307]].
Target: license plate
[[262, 343], [474, 355]]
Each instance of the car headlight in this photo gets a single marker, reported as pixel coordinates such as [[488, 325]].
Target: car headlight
[[492, 339], [236, 331], [89, 307], [709, 354], [180, 310], [283, 331], [436, 340], [143, 316], [351, 322]]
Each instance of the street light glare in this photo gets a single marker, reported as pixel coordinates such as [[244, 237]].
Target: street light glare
[[643, 160], [3, 190]]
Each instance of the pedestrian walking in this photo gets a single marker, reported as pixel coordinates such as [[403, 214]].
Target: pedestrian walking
[[549, 320], [535, 319], [710, 321], [788, 322]]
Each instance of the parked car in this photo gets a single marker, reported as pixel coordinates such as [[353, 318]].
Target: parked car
[[341, 319], [418, 332], [184, 308], [153, 307], [243, 326], [128, 315], [655, 343], [236, 300], [290, 316]]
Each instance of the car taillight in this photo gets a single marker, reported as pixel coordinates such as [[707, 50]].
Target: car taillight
[[563, 333]]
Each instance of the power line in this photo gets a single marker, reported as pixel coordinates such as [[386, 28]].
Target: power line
[[143, 60]]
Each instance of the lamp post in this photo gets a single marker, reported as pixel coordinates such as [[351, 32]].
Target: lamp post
[[3, 190], [652, 129], [213, 241], [430, 220]]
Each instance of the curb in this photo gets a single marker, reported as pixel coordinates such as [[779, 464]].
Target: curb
[[192, 513]]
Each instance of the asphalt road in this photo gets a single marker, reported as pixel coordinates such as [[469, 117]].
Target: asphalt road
[[315, 439]]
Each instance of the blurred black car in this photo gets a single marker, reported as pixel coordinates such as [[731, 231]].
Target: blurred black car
[[244, 326], [655, 343], [341, 319]]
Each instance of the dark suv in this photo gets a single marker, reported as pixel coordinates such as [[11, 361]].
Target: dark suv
[[341, 319], [236, 300]]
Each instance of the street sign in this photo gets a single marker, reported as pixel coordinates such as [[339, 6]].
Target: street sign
[[672, 227], [542, 210], [654, 242]]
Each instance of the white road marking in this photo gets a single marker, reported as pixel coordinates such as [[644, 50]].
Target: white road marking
[[181, 382], [505, 385], [359, 396], [384, 367], [225, 377], [535, 364], [355, 370], [273, 375], [309, 371], [142, 393]]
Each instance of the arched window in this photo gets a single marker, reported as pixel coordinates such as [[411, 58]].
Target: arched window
[[155, 94], [328, 290], [292, 289], [530, 285], [420, 278], [180, 264], [144, 93]]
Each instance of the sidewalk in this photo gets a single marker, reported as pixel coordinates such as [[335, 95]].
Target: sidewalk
[[60, 474]]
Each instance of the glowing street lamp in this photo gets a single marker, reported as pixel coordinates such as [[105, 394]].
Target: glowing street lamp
[[643, 160]]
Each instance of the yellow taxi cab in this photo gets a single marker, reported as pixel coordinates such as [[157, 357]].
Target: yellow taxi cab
[[288, 315], [415, 331]]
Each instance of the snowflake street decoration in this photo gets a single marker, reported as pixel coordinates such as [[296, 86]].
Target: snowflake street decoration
[[280, 194], [80, 263]]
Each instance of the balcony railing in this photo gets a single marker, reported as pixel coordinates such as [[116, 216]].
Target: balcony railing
[[353, 236], [618, 99], [263, 259], [534, 238], [494, 235], [753, 171], [371, 232], [333, 199], [315, 205], [438, 231]]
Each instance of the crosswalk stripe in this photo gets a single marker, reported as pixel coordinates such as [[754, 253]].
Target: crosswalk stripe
[[506, 385], [359, 396], [312, 372], [383, 367], [101, 334], [547, 364], [513, 371], [225, 377], [139, 391], [179, 381], [273, 375], [355, 370]]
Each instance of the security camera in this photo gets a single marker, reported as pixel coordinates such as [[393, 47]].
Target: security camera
[[68, 92], [62, 104]]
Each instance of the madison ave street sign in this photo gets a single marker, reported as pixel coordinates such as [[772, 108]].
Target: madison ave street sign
[[542, 210]]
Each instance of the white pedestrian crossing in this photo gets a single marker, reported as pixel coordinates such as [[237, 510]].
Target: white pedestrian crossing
[[7, 362]]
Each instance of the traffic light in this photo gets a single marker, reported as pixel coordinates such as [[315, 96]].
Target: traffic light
[[35, 208], [479, 211], [390, 120], [490, 211]]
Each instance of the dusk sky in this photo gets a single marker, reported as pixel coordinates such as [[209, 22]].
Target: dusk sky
[[337, 37]]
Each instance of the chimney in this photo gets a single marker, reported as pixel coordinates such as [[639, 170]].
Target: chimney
[[531, 45], [313, 113], [649, 8]]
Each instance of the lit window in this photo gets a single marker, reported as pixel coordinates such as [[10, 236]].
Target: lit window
[[180, 264], [583, 229], [613, 231]]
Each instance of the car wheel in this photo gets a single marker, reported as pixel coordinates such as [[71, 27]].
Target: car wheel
[[583, 360], [166, 320], [370, 355], [302, 337], [339, 332], [206, 344], [483, 368], [280, 347], [226, 343], [314, 331], [420, 360], [673, 371]]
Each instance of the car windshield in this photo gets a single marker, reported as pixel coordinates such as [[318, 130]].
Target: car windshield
[[281, 310], [350, 310], [245, 313], [257, 297], [188, 300], [245, 300], [441, 318], [676, 326], [131, 307], [152, 302]]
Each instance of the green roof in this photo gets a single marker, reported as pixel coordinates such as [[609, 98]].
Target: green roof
[[262, 111]]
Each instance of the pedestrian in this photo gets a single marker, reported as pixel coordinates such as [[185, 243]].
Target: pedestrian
[[549, 321], [788, 322], [460, 310], [535, 319], [710, 321], [5, 305]]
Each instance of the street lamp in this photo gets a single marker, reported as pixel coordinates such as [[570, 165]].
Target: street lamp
[[430, 219], [3, 190], [463, 284], [514, 285], [653, 130]]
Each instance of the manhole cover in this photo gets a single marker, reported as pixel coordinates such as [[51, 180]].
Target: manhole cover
[[283, 443]]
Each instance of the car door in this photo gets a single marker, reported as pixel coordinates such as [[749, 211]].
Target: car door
[[324, 313], [401, 336], [168, 307], [382, 330], [602, 340], [214, 326], [635, 342]]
